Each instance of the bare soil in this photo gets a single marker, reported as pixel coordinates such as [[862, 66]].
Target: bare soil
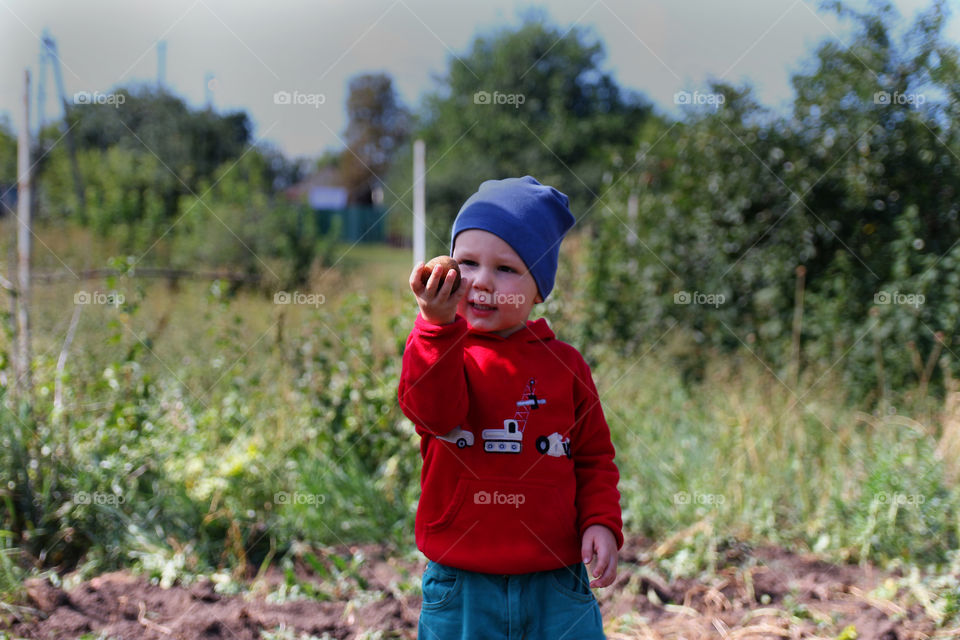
[[760, 593]]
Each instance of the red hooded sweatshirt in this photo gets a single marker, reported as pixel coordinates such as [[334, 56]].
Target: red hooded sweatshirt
[[517, 457]]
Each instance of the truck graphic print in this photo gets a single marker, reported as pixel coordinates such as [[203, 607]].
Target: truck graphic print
[[509, 439]]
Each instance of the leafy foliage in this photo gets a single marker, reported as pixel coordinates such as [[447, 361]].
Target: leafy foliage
[[257, 442], [8, 154], [235, 222], [858, 188], [378, 125], [531, 100], [227, 442], [183, 188], [140, 154]]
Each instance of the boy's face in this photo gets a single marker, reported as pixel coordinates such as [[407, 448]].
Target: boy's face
[[501, 290]]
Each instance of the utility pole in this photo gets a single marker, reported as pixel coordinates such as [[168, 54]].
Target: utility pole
[[41, 80], [209, 86], [49, 51], [162, 65]]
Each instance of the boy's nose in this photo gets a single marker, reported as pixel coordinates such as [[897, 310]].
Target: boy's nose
[[482, 280]]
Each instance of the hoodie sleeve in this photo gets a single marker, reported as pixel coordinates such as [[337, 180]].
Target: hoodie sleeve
[[433, 384], [598, 499]]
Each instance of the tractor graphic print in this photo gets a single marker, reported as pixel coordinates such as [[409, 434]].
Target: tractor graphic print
[[509, 439]]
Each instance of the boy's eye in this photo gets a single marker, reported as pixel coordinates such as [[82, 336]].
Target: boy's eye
[[473, 263]]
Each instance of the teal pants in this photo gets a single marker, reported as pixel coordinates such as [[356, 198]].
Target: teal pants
[[544, 605]]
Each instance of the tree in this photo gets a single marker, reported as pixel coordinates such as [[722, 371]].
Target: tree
[[179, 147], [377, 125], [242, 225], [530, 100]]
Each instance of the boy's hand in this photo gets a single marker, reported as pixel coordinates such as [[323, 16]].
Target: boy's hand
[[600, 544], [437, 304]]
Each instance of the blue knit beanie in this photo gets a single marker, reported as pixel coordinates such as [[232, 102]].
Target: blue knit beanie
[[532, 218]]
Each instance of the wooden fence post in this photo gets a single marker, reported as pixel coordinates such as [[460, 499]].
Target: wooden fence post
[[23, 246], [419, 202]]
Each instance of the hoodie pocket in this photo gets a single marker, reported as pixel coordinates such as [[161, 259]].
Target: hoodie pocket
[[453, 507], [508, 516]]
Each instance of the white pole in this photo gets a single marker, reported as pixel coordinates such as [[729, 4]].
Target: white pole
[[419, 202], [23, 243]]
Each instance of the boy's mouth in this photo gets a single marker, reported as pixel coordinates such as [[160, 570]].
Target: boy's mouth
[[481, 307]]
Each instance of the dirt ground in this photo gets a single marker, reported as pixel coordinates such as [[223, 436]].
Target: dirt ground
[[760, 593]]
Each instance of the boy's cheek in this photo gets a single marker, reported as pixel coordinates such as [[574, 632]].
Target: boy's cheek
[[462, 308]]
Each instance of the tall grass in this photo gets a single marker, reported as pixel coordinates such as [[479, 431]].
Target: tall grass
[[741, 455], [204, 429]]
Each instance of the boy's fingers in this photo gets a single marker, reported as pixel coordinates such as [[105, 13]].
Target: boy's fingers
[[415, 283], [605, 581], [586, 550], [600, 565], [610, 574], [604, 578], [432, 282], [444, 277], [428, 290]]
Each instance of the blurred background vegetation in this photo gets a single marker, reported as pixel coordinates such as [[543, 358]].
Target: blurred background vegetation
[[812, 403]]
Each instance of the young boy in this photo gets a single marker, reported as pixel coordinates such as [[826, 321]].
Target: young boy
[[519, 487]]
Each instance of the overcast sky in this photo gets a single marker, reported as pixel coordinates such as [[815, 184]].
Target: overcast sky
[[255, 49]]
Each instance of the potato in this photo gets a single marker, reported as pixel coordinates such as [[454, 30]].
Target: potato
[[447, 263]]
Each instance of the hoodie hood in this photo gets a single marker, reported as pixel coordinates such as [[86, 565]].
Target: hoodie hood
[[535, 331]]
